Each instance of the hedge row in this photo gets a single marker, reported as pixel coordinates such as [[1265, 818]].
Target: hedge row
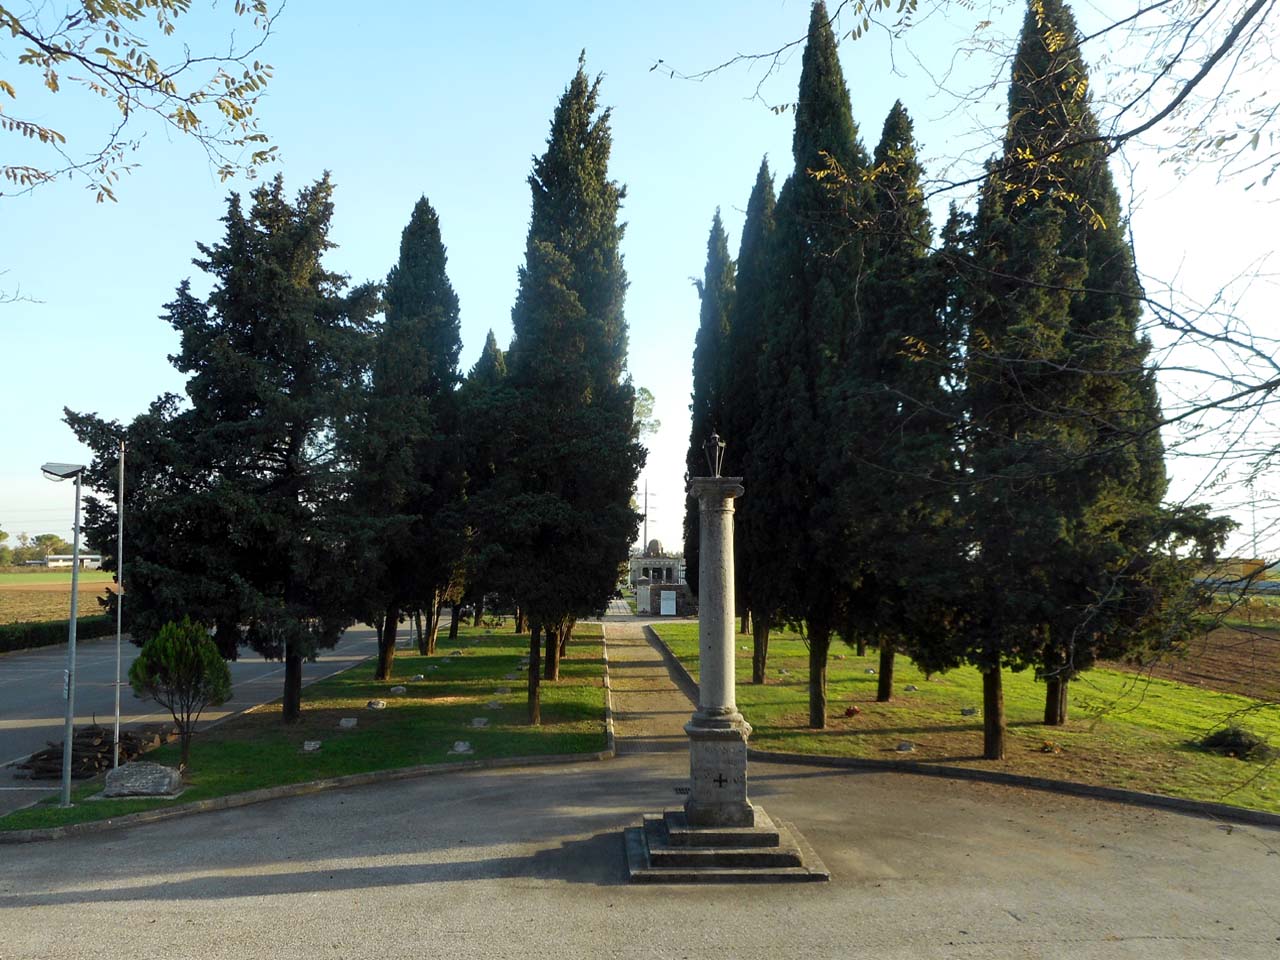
[[25, 636]]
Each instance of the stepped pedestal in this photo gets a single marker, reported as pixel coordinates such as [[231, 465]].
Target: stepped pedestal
[[720, 836]]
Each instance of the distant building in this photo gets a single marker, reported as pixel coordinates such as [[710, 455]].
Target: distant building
[[88, 561], [656, 566]]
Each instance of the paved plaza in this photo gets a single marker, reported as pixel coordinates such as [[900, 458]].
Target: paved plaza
[[528, 863]]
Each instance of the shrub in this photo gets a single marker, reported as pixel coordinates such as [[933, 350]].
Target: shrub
[[180, 668], [1239, 742], [27, 636]]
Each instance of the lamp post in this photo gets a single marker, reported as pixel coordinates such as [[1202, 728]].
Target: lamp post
[[115, 751], [67, 471]]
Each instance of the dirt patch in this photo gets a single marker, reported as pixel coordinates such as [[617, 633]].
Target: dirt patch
[[1241, 660], [63, 588]]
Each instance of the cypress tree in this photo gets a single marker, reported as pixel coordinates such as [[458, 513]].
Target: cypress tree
[[752, 540], [408, 483], [1068, 465], [575, 453], [898, 440], [716, 292], [816, 259], [481, 401]]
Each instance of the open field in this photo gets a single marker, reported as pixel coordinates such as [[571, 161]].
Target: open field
[[420, 726], [38, 602], [39, 575], [1234, 659], [1125, 730]]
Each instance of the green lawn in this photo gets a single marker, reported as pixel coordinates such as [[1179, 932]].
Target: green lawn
[[1124, 730], [40, 575], [419, 727]]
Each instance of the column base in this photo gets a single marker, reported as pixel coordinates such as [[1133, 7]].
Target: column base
[[718, 771]]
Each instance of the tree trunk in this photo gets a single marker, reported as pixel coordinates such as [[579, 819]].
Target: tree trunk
[[884, 683], [745, 625], [993, 726], [1055, 700], [456, 614], [417, 623], [387, 644], [565, 635], [759, 647], [535, 664], [819, 644], [184, 764], [522, 623], [860, 646], [475, 622], [435, 626], [552, 665], [292, 711]]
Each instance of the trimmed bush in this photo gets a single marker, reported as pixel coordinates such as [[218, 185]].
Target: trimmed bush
[[28, 636]]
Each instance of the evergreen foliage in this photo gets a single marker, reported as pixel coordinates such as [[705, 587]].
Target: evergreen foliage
[[707, 405], [180, 669], [752, 537], [234, 500], [897, 449], [561, 506], [817, 258], [406, 497], [1074, 550]]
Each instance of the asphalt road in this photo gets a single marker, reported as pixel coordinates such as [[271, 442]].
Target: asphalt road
[[528, 863], [32, 710]]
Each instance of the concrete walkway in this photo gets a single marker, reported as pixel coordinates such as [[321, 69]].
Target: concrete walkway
[[649, 711], [528, 863]]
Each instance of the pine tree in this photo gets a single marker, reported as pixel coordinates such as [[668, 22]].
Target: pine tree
[[574, 451], [707, 406], [752, 540], [817, 259], [408, 484], [274, 359]]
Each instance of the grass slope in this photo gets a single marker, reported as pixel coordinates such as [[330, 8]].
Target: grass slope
[[418, 727], [1124, 730]]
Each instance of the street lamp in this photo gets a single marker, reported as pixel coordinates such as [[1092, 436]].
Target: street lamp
[[714, 449], [67, 471]]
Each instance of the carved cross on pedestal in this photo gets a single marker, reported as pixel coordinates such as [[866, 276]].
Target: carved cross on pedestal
[[719, 780]]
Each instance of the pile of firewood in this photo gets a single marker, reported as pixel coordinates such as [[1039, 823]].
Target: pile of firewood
[[91, 749]]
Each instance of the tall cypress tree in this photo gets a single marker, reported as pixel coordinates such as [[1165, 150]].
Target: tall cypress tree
[[898, 442], [817, 258], [707, 405], [1067, 461], [408, 483], [752, 540], [575, 453]]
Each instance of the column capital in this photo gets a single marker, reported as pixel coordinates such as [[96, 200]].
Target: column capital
[[723, 488]]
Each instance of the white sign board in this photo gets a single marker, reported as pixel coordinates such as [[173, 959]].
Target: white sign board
[[668, 603]]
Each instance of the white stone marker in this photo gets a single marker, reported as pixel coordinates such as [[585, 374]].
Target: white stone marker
[[717, 731]]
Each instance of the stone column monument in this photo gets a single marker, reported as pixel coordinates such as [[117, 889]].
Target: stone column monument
[[717, 732], [719, 836]]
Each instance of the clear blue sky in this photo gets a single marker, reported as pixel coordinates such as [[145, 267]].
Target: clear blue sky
[[399, 100]]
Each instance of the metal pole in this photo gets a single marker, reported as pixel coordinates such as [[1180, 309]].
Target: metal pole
[[69, 691], [115, 752]]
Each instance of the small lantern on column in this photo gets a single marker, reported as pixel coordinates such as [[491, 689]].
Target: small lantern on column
[[714, 449]]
